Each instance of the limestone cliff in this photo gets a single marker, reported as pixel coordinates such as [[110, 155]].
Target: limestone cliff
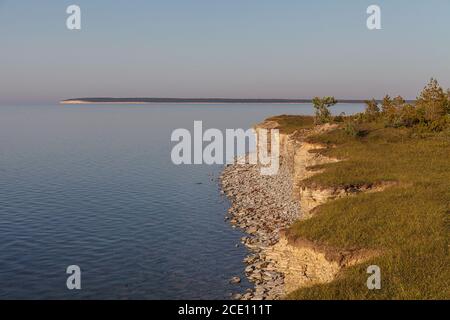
[[302, 262]]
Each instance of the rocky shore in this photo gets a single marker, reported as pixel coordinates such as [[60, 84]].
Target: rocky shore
[[261, 206], [264, 206]]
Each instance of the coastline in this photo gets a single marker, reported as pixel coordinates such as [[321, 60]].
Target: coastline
[[261, 211], [264, 207]]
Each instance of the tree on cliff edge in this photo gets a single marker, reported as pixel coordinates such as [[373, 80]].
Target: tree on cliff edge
[[322, 105], [433, 102]]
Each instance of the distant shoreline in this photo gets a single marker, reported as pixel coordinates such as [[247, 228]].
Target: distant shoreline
[[189, 100]]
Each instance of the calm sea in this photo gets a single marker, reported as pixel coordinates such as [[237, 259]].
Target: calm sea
[[94, 186]]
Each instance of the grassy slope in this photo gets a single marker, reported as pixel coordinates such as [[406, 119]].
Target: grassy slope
[[288, 124], [409, 222]]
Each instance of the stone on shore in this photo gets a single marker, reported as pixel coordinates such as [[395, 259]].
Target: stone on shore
[[235, 280], [261, 207]]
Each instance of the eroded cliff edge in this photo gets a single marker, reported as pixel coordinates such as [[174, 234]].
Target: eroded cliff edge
[[265, 206]]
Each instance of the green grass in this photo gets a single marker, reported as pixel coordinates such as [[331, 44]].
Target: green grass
[[288, 123], [408, 223]]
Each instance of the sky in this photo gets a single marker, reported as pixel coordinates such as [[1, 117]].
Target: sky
[[217, 48]]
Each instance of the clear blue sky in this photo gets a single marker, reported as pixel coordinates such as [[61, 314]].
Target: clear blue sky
[[218, 48]]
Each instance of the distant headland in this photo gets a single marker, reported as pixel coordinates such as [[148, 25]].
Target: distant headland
[[188, 100]]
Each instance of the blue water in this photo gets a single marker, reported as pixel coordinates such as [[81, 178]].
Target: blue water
[[94, 186]]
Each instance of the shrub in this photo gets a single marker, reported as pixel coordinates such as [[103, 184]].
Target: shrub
[[430, 113], [391, 109], [433, 101], [322, 105], [340, 118], [439, 124], [353, 128], [372, 110]]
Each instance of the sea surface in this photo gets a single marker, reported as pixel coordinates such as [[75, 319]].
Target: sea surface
[[94, 186]]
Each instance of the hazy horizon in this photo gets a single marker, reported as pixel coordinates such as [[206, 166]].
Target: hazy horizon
[[211, 49]]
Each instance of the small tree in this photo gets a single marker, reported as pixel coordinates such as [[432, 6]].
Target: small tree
[[433, 101], [322, 105], [408, 116], [392, 109], [372, 110], [398, 102], [386, 104]]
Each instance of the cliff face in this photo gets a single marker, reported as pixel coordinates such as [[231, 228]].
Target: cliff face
[[302, 265], [310, 198], [264, 206], [302, 262], [298, 156]]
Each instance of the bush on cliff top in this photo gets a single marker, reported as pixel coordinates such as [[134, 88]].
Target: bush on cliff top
[[430, 112]]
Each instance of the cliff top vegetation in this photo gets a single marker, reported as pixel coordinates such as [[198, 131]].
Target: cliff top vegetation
[[408, 223]]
